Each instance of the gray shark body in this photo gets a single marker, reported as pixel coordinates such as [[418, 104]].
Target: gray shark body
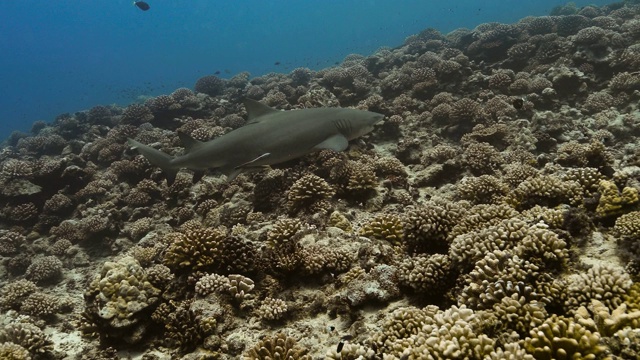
[[270, 136]]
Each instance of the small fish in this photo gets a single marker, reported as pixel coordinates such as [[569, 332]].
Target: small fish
[[142, 5], [217, 72], [276, 63]]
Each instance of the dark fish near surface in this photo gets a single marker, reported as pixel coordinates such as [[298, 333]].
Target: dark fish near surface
[[142, 5]]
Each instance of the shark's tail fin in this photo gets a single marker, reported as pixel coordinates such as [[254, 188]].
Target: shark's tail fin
[[157, 158]]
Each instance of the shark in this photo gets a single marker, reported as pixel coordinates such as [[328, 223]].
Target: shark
[[269, 137]]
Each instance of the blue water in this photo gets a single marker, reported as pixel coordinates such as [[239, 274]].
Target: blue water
[[69, 55]]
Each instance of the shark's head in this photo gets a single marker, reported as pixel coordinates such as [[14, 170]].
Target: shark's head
[[354, 123]]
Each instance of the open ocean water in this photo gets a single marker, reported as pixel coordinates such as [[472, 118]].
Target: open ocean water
[[65, 56]]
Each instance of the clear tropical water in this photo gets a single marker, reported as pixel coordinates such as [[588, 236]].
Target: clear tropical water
[[69, 55]]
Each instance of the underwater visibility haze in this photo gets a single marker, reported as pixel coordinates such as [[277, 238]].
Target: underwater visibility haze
[[65, 56], [354, 180]]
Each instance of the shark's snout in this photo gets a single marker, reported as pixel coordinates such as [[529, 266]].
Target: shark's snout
[[377, 118]]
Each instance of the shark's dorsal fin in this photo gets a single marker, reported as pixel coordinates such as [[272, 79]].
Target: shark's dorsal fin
[[256, 109], [188, 142], [336, 143]]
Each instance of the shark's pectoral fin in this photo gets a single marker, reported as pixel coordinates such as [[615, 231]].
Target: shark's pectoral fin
[[231, 173], [251, 163], [336, 143]]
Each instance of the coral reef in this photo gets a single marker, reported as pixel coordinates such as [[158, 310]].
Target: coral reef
[[494, 214]]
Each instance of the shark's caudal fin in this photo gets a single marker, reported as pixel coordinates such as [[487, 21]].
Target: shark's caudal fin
[[157, 158]]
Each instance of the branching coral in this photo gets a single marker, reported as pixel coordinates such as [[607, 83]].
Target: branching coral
[[427, 227], [604, 283], [613, 201], [436, 334], [387, 227], [561, 338], [310, 192], [278, 346], [197, 249]]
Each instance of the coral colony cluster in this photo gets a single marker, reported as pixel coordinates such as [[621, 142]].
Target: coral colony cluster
[[494, 215]]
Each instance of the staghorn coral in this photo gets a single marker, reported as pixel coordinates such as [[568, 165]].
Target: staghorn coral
[[278, 346]]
